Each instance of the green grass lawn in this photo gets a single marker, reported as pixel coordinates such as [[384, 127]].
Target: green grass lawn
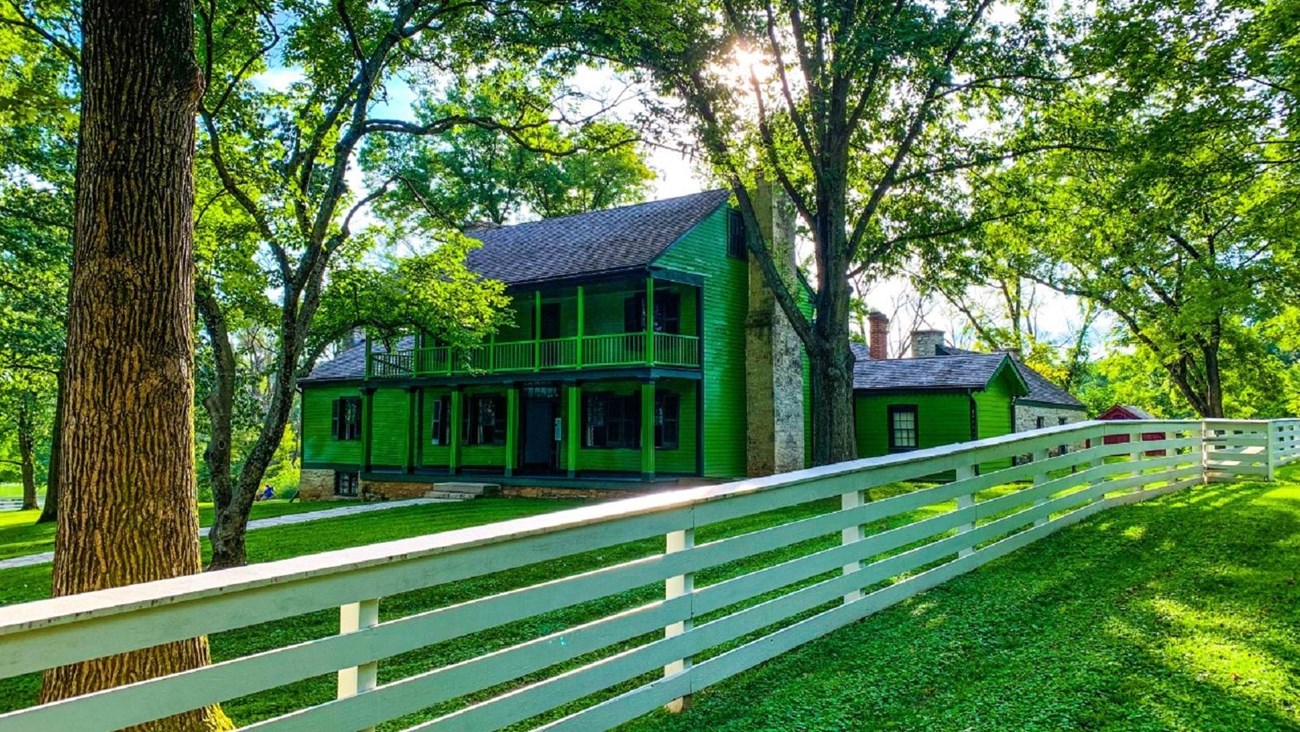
[[1181, 613], [19, 534]]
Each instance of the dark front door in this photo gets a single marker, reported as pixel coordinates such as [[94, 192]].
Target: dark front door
[[539, 434]]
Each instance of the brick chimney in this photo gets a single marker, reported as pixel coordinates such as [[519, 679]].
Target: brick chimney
[[926, 343], [878, 342], [773, 357]]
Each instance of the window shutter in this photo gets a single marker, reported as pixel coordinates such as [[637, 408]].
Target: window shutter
[[334, 424]]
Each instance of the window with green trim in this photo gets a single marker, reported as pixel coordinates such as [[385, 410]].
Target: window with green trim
[[611, 420], [345, 422], [667, 420], [440, 421], [903, 432], [484, 422]]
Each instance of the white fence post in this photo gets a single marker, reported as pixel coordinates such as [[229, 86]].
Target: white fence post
[[356, 679], [848, 501], [1040, 477], [1272, 438], [674, 587], [965, 500]]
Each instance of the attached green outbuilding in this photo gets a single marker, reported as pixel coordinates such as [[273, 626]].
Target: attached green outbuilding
[[912, 403]]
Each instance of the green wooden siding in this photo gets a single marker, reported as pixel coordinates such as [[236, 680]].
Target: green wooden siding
[[993, 408], [319, 445], [703, 251], [388, 431], [941, 418]]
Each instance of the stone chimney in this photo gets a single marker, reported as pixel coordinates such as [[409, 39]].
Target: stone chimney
[[926, 343], [773, 354], [1014, 353], [878, 342]]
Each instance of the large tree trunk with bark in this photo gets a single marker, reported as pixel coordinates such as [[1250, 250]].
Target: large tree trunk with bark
[[831, 374], [26, 454], [50, 511], [128, 511]]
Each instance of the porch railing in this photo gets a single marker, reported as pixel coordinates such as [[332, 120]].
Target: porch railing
[[593, 351], [843, 557]]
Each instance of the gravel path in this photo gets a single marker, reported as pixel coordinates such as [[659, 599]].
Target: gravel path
[[292, 518]]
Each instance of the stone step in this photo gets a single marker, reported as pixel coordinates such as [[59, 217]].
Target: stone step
[[449, 496], [472, 489]]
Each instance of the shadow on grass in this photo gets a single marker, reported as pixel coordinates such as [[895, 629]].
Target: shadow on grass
[[1182, 613]]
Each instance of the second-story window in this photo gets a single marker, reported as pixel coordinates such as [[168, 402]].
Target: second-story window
[[668, 312], [735, 235], [346, 421], [440, 413], [484, 422], [550, 320]]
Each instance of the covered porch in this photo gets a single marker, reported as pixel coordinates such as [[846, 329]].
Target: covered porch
[[650, 321], [617, 430]]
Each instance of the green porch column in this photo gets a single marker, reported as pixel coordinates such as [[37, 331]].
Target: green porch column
[[573, 429], [537, 330], [648, 430], [650, 320], [582, 324], [512, 429], [453, 429], [412, 428], [367, 419]]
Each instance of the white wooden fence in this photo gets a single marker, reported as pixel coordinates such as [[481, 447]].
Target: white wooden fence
[[836, 563]]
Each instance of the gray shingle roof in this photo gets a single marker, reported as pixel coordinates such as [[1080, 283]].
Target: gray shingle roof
[[1042, 390], [350, 364], [968, 371], [590, 243]]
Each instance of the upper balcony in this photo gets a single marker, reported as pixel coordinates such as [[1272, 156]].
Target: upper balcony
[[585, 327]]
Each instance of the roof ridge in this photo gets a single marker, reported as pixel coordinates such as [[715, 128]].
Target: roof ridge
[[550, 219]]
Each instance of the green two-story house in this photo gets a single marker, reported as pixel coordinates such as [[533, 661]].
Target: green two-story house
[[644, 348]]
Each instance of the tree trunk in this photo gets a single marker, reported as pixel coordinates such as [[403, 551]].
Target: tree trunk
[[831, 371], [128, 511], [50, 511], [26, 451]]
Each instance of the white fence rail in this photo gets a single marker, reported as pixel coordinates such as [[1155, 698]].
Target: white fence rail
[[789, 558]]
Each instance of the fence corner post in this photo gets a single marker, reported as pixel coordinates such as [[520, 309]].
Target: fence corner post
[[674, 587], [849, 501], [357, 679]]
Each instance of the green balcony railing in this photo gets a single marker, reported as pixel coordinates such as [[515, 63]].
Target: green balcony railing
[[594, 351]]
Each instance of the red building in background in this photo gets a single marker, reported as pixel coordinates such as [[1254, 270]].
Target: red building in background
[[1128, 411]]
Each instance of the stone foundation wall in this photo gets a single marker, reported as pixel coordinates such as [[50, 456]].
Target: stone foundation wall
[[1027, 419], [1027, 416], [316, 485], [392, 490], [521, 491]]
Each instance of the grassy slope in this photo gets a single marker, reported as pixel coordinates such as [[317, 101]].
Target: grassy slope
[[1183, 613], [1113, 624], [19, 534]]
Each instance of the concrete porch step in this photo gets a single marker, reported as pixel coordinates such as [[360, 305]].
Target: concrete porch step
[[470, 490], [449, 496]]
